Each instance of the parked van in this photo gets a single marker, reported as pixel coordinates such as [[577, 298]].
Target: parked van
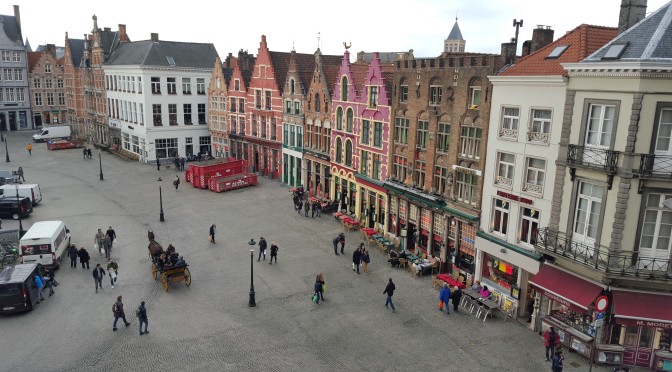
[[53, 132], [18, 291], [45, 243], [15, 208], [27, 190]]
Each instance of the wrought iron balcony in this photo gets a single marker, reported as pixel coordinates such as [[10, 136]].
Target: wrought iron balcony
[[590, 157], [624, 265], [655, 166]]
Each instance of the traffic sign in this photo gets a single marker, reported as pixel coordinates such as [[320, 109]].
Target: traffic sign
[[601, 303]]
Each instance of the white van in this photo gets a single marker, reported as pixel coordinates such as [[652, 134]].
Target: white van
[[26, 190], [45, 243], [53, 132]]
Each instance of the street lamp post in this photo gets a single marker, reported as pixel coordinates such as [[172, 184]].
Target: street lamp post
[[6, 152], [161, 219], [100, 162], [18, 209], [252, 302]]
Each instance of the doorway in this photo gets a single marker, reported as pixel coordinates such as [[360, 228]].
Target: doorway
[[638, 344], [410, 236]]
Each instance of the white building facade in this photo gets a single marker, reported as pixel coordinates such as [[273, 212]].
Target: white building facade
[[160, 103]]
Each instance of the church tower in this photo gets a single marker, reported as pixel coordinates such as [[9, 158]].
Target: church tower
[[454, 43]]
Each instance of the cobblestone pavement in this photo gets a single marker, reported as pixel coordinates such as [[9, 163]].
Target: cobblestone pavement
[[208, 326]]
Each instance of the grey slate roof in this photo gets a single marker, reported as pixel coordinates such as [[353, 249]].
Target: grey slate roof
[[77, 51], [648, 40], [455, 33], [385, 57], [11, 29], [148, 53]]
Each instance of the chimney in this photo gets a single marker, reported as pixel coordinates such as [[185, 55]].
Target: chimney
[[17, 15], [51, 49], [632, 11], [122, 33], [541, 36], [155, 37], [527, 46], [508, 52]]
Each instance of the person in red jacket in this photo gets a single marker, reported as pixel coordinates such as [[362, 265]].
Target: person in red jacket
[[551, 340]]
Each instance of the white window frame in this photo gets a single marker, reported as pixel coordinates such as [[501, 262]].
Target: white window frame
[[540, 127], [471, 142], [534, 177], [529, 238], [500, 211], [435, 95], [505, 169], [510, 122]]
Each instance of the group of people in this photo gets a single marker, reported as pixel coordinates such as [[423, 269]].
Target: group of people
[[99, 274], [445, 295], [262, 250], [179, 163], [104, 241], [87, 153], [168, 259], [481, 289], [47, 280], [360, 257]]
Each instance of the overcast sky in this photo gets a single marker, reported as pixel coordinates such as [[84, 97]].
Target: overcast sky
[[370, 25]]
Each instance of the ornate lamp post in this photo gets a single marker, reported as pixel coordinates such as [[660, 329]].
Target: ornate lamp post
[[100, 162], [161, 219], [6, 152], [252, 302], [18, 208]]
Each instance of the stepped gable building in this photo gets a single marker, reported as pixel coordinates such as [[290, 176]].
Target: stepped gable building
[[609, 232], [15, 105], [218, 97], [241, 75], [74, 88], [318, 124], [157, 97], [528, 99], [47, 79], [359, 138], [440, 111]]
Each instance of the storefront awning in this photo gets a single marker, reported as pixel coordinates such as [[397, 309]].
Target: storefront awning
[[642, 309], [565, 288]]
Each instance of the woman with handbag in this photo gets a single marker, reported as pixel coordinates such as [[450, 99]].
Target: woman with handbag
[[365, 260], [319, 288]]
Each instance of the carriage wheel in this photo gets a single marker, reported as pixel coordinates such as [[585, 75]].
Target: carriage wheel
[[155, 273], [164, 281], [187, 277]]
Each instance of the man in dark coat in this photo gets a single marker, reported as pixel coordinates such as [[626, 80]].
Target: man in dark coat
[[306, 207], [389, 290], [118, 311], [72, 253], [455, 298], [336, 240], [142, 317], [158, 164], [98, 275], [356, 259], [274, 253], [84, 257], [262, 248], [112, 235]]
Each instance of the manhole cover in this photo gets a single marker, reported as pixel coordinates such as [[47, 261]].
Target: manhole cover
[[575, 364], [411, 323]]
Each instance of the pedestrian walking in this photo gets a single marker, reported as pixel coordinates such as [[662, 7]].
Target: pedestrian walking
[[312, 209], [89, 153], [176, 162], [84, 152], [455, 297], [107, 246], [319, 288], [30, 149], [49, 280], [262, 248], [141, 313], [98, 275], [112, 235], [366, 259], [158, 164], [118, 312], [213, 230], [444, 297], [98, 241], [20, 173], [40, 287], [557, 365], [356, 259], [389, 290], [306, 207], [182, 160], [176, 182], [83, 257], [337, 240], [551, 340], [112, 271], [342, 242], [72, 253], [274, 253], [318, 209]]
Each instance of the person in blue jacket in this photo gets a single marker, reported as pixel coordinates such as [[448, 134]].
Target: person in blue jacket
[[40, 286], [444, 297]]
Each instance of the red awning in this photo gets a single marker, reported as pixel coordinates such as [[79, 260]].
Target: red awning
[[565, 288], [643, 309]]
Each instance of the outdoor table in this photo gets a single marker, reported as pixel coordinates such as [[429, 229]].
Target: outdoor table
[[388, 245]]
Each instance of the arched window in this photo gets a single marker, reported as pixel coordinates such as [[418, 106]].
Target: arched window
[[339, 150], [326, 106], [291, 86], [339, 118], [349, 121], [348, 153], [318, 105], [344, 89]]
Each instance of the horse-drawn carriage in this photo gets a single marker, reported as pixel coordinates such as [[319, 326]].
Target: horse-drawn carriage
[[169, 272]]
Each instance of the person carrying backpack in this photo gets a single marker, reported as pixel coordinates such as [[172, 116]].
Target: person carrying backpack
[[557, 359], [551, 340], [118, 312], [141, 313]]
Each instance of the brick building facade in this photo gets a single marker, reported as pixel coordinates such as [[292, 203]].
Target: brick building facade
[[47, 80], [74, 90]]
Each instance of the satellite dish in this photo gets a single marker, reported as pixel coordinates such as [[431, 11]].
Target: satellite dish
[[668, 203]]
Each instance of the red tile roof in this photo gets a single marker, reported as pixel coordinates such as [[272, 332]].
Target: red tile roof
[[582, 42]]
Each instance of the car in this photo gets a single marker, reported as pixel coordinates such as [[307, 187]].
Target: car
[[8, 177], [15, 208]]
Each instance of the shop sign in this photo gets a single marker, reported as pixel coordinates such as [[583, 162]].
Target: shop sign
[[514, 197], [643, 323], [560, 300]]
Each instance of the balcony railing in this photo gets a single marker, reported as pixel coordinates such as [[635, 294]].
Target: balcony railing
[[591, 157], [658, 166], [625, 265]]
